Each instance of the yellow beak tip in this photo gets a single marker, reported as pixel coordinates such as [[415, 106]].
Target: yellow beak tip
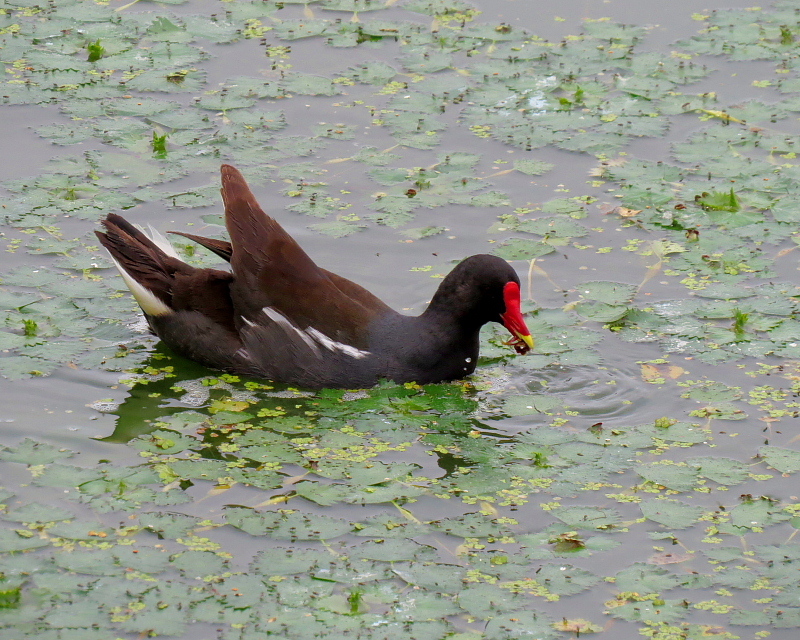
[[528, 340]]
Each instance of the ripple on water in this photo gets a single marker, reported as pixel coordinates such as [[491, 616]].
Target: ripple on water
[[595, 393], [574, 395]]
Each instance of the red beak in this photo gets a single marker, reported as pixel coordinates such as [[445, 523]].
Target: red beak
[[522, 341]]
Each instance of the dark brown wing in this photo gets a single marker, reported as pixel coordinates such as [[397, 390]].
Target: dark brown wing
[[272, 270], [347, 287]]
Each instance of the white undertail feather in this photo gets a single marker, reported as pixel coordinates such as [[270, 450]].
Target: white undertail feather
[[160, 240], [148, 301]]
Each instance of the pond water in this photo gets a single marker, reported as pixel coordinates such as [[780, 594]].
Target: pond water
[[634, 476]]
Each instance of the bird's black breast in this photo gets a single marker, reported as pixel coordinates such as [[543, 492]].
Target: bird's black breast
[[410, 349]]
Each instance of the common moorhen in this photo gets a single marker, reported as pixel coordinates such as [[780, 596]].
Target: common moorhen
[[277, 315]]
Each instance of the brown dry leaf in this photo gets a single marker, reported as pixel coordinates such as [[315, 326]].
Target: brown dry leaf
[[606, 208], [622, 212], [650, 373], [674, 371], [711, 631], [657, 373]]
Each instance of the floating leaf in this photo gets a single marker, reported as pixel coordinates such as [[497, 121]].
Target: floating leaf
[[530, 404], [722, 470], [310, 85], [523, 249], [36, 513], [32, 452], [533, 167], [375, 72], [520, 624], [587, 517], [554, 227], [673, 514], [290, 525], [780, 459], [653, 611], [676, 476], [611, 293]]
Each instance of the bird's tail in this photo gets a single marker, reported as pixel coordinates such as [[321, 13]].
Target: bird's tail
[[147, 265]]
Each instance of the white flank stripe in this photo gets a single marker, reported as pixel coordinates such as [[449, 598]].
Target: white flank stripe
[[332, 345], [310, 335], [281, 320], [148, 301]]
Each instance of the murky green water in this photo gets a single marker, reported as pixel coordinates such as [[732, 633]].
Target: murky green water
[[634, 477]]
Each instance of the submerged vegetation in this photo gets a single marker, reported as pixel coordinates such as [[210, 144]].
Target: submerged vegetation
[[491, 509]]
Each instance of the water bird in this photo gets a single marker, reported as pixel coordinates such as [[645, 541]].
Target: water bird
[[277, 315]]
